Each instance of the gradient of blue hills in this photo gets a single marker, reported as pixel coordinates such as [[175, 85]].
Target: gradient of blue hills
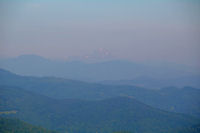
[[181, 100], [125, 72], [82, 116]]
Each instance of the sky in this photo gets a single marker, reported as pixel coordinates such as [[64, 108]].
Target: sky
[[136, 30]]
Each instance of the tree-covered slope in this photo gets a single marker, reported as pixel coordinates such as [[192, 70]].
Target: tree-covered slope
[[8, 125], [185, 100], [115, 114]]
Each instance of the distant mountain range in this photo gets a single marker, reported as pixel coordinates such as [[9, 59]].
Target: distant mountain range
[[157, 83], [80, 116], [182, 100], [150, 76]]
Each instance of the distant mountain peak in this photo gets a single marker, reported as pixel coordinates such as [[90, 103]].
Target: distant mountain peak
[[30, 56], [100, 54]]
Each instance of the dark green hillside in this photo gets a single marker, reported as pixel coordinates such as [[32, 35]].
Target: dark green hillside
[[185, 100], [192, 129], [8, 125], [115, 114]]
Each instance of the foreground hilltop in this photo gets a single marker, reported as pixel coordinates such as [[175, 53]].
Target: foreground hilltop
[[114, 114], [8, 125]]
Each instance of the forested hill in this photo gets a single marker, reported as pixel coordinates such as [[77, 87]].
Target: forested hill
[[181, 100], [80, 116], [11, 125]]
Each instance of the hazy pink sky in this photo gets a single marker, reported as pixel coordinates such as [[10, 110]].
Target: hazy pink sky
[[167, 30]]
